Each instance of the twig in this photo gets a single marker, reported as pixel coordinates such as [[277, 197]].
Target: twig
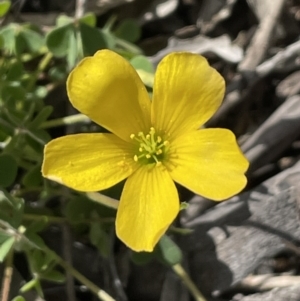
[[8, 273], [254, 55], [267, 282], [80, 8], [280, 60], [262, 38]]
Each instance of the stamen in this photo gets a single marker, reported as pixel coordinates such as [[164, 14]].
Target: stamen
[[151, 147]]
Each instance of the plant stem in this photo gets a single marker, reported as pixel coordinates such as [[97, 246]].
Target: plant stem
[[49, 218], [40, 68], [103, 199], [101, 294], [179, 270], [60, 220], [65, 121], [8, 273]]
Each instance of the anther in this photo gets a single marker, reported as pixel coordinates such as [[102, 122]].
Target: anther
[[135, 158], [132, 136]]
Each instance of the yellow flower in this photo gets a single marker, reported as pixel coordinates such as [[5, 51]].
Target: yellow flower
[[152, 143]]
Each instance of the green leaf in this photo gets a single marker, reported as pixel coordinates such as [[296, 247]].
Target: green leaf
[[4, 8], [89, 19], [35, 239], [20, 42], [13, 91], [80, 209], [33, 178], [110, 39], [41, 117], [146, 77], [168, 251], [57, 73], [11, 201], [18, 298], [54, 276], [29, 285], [141, 258], [3, 237], [63, 20], [141, 62], [73, 53], [1, 42], [128, 30], [40, 261], [15, 71], [33, 40], [8, 35], [100, 239], [92, 39], [58, 40], [6, 247], [11, 209], [8, 170], [39, 225]]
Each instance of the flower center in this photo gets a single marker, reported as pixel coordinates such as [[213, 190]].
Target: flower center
[[151, 147]]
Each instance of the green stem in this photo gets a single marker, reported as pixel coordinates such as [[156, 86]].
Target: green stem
[[59, 220], [179, 270], [40, 68], [49, 218], [65, 121], [103, 199], [101, 294]]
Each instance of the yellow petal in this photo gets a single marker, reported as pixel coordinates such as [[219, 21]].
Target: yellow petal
[[88, 162], [107, 89], [186, 93], [148, 205], [210, 163]]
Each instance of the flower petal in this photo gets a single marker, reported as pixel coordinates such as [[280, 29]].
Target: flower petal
[[210, 163], [148, 205], [107, 89], [88, 162], [186, 93]]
